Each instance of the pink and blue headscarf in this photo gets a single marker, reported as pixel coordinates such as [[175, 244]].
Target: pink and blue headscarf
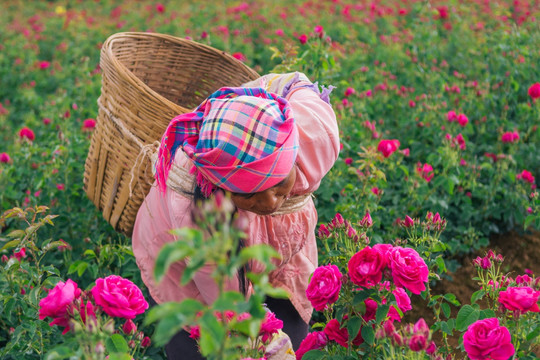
[[243, 140]]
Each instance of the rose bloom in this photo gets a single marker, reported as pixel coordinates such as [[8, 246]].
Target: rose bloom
[[303, 39], [451, 116], [403, 303], [534, 91], [324, 286], [462, 119], [520, 298], [340, 335], [313, 341], [425, 171], [89, 124], [4, 158], [119, 297], [239, 56], [57, 302], [510, 137], [486, 339], [27, 133], [387, 147], [366, 267], [526, 175], [409, 270], [271, 325]]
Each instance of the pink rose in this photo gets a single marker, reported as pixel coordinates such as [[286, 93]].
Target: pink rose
[[485, 339], [313, 341], [403, 303], [334, 332], [462, 119], [19, 255], [4, 158], [387, 147], [89, 124], [409, 270], [534, 91], [520, 298], [526, 176], [27, 133], [271, 325], [57, 303], [451, 116], [119, 297], [425, 171], [510, 137], [366, 266], [303, 39], [324, 287]]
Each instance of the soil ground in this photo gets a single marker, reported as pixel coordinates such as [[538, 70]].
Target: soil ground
[[521, 250]]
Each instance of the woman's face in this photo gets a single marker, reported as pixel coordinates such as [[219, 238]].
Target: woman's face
[[268, 201]]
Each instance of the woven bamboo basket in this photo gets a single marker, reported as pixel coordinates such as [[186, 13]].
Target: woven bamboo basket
[[147, 79]]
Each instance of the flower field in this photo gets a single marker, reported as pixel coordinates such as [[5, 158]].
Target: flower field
[[438, 105]]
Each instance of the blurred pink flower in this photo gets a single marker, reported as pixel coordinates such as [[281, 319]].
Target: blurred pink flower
[[534, 91], [270, 325], [460, 141], [510, 137], [19, 255], [425, 171], [375, 190], [408, 222], [160, 8], [443, 12], [319, 30], [387, 147], [89, 124], [462, 119], [27, 133], [526, 176], [303, 39], [4, 158], [239, 56], [146, 342], [451, 115], [366, 221], [44, 65], [61, 187], [349, 91], [46, 121], [348, 161], [280, 32]]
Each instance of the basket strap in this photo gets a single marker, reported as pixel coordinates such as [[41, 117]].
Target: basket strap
[[182, 182]]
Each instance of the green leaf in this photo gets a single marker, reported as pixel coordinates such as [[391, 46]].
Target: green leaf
[[382, 311], [353, 327], [116, 344], [117, 356], [368, 334], [477, 295], [16, 234], [169, 254], [261, 252], [228, 301], [212, 334], [487, 313], [451, 298], [10, 244], [360, 297], [314, 355], [528, 220], [187, 308], [466, 316], [534, 333], [446, 309], [59, 353]]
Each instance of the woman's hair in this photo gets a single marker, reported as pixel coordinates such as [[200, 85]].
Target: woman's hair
[[198, 198]]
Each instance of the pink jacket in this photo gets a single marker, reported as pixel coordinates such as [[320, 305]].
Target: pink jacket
[[293, 235]]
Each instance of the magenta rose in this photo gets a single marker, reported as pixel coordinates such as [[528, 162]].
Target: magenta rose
[[485, 339], [313, 341], [403, 303], [58, 302], [388, 147], [409, 270], [334, 332], [366, 267], [271, 325], [119, 297], [324, 286], [520, 298]]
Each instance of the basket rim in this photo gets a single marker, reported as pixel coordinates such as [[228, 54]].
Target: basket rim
[[137, 82]]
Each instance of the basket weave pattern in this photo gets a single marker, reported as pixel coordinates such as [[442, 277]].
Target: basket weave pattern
[[147, 79]]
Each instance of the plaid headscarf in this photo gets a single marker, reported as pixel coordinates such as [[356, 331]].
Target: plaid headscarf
[[242, 140]]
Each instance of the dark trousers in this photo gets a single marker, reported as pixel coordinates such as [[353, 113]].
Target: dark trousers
[[182, 347]]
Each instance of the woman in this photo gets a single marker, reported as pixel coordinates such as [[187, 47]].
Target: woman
[[268, 143]]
